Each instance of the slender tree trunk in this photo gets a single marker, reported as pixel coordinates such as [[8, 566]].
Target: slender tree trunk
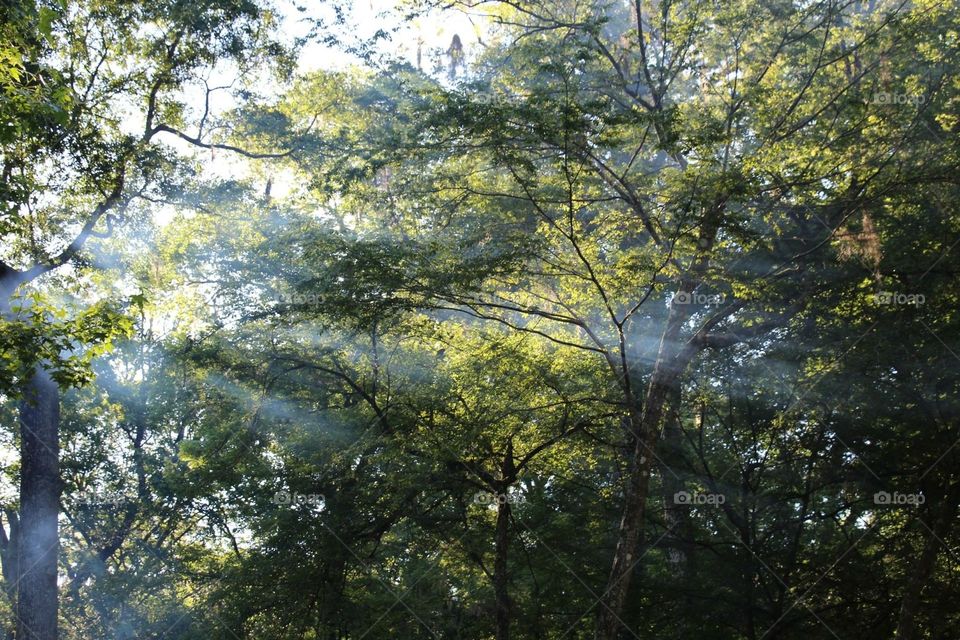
[[501, 547], [679, 536], [672, 359], [676, 516], [943, 515], [8, 558], [646, 428], [38, 542]]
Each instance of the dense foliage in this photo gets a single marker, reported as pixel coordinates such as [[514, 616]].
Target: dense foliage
[[621, 320]]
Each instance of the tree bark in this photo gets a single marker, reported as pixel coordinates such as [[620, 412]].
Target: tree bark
[[501, 547], [40, 487], [609, 624], [676, 516], [944, 513], [673, 356]]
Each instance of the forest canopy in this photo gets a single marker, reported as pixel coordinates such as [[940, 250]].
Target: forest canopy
[[479, 319]]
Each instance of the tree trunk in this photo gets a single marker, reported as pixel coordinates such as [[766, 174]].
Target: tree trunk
[[676, 516], [646, 428], [501, 546], [8, 560], [38, 542], [943, 515], [672, 358]]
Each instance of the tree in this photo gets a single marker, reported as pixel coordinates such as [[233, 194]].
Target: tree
[[640, 324], [689, 172], [87, 90]]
